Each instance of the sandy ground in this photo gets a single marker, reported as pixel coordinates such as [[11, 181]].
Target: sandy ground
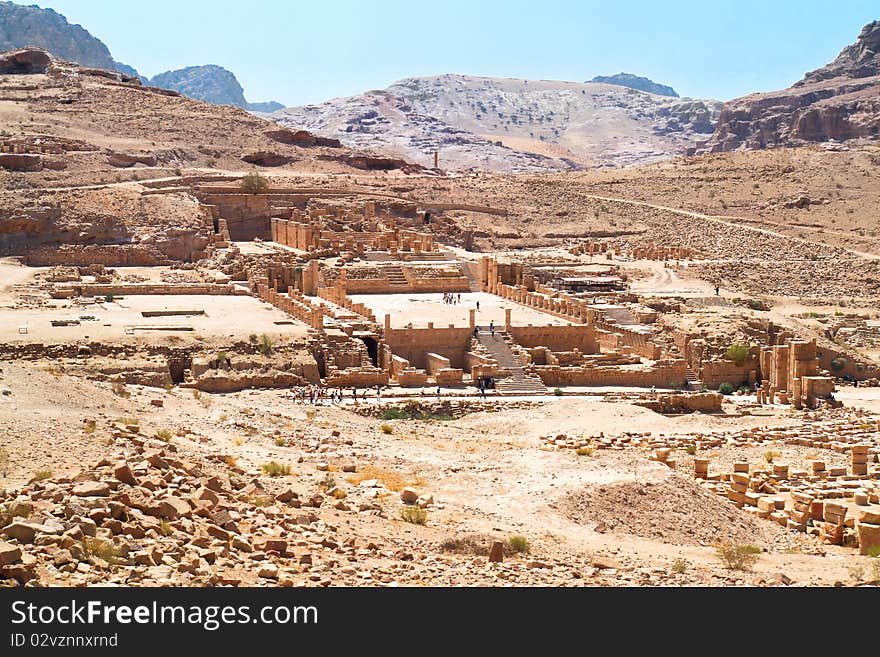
[[419, 309], [121, 319]]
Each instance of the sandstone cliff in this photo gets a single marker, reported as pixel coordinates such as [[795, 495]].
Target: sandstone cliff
[[840, 101]]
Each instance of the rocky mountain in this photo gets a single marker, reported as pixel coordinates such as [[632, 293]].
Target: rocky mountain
[[508, 125], [32, 26], [636, 82], [212, 84], [22, 26], [840, 101]]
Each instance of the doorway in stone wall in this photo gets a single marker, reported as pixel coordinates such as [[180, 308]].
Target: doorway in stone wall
[[372, 350], [177, 368]]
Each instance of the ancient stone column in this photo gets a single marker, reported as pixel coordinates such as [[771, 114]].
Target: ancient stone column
[[507, 323]]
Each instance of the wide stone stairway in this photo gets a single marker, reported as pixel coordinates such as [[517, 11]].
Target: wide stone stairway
[[395, 276], [519, 382]]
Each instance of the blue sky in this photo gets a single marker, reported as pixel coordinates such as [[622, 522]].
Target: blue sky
[[304, 52]]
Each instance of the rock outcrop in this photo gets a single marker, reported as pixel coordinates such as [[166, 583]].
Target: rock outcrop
[[840, 101], [212, 84], [25, 61], [637, 82]]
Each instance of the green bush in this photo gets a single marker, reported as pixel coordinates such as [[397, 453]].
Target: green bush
[[726, 388], [738, 353], [558, 392], [253, 183], [738, 557], [518, 545]]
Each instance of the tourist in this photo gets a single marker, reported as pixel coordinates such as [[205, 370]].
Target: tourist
[[438, 392], [717, 290], [476, 330], [478, 306], [492, 328]]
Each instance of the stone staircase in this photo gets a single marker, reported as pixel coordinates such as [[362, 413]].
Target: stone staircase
[[518, 382], [693, 382], [395, 276]]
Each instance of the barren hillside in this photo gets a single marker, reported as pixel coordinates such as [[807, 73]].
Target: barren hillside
[[509, 125]]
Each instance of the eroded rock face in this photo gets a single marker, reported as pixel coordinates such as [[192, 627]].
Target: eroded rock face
[[301, 138], [21, 162], [266, 159], [27, 61], [840, 101], [130, 159]]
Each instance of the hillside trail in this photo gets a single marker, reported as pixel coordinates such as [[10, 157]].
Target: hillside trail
[[733, 222]]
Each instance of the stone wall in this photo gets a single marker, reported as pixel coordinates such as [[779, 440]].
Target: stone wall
[[557, 338], [414, 344], [663, 374], [716, 372]]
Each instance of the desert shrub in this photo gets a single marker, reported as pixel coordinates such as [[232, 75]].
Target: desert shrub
[[771, 454], [679, 566], [386, 428], [119, 390], [557, 392], [259, 500], [39, 475], [691, 450], [738, 353], [264, 344], [252, 338], [518, 544], [738, 557], [280, 441], [327, 482], [726, 388], [874, 551], [165, 528], [231, 461], [414, 514], [89, 426], [164, 434], [586, 450], [253, 183], [222, 358], [275, 469], [467, 544], [102, 549], [838, 364], [108, 298]]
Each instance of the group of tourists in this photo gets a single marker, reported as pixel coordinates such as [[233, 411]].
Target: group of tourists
[[322, 395], [451, 299]]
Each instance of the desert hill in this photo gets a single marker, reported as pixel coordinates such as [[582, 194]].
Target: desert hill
[[508, 125]]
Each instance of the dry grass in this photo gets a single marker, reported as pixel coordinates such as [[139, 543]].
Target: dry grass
[[275, 469], [391, 479], [414, 515]]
